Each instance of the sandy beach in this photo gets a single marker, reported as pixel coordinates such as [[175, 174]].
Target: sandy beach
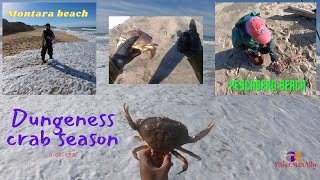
[[168, 66], [31, 40], [72, 71], [295, 42]]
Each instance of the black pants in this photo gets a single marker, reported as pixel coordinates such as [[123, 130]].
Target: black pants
[[44, 50]]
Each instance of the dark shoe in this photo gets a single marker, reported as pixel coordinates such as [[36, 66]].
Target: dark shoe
[[43, 60], [274, 57], [51, 57]]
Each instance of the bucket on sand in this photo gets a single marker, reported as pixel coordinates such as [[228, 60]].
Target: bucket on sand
[[257, 60], [263, 59]]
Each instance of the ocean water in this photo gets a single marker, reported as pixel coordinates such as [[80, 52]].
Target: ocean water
[[79, 29], [208, 60], [85, 33]]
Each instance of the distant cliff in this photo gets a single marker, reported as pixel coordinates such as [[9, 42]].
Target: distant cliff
[[14, 27]]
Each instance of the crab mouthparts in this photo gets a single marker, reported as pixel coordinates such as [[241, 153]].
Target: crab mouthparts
[[157, 159]]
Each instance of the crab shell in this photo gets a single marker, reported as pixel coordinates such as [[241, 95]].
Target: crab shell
[[163, 135], [144, 43]]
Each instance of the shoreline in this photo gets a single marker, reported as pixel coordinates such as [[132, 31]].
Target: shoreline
[[31, 40]]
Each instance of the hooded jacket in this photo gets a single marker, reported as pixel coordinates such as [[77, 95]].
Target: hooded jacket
[[243, 41]]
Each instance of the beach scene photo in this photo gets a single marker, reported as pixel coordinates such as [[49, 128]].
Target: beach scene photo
[[265, 42], [254, 137], [49, 48], [160, 60]]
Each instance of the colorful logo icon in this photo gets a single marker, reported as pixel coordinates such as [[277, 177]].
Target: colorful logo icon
[[294, 156]]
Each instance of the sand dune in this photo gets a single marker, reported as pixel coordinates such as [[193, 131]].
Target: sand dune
[[14, 27]]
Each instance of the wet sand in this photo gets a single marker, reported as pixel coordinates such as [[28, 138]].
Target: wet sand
[[31, 40]]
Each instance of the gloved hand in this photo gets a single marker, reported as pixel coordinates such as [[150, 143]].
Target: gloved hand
[[274, 57], [254, 53], [125, 53], [189, 42]]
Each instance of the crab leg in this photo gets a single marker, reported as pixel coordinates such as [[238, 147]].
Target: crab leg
[[188, 152], [202, 134], [139, 138], [135, 150], [179, 156], [128, 117], [153, 51]]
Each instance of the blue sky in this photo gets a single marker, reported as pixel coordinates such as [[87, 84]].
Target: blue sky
[[203, 8], [160, 8], [89, 21]]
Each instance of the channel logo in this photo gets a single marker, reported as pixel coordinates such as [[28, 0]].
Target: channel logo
[[294, 160], [294, 156]]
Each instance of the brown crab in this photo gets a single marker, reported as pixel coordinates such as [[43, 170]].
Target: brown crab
[[144, 43], [163, 136]]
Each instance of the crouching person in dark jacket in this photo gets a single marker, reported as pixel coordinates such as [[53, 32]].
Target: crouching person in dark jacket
[[252, 36]]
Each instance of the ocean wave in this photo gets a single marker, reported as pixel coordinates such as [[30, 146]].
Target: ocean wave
[[208, 42], [104, 37], [88, 29]]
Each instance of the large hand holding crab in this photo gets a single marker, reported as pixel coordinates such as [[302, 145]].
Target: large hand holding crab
[[163, 136]]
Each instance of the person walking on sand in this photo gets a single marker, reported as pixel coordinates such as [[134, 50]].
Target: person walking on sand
[[252, 36], [47, 38]]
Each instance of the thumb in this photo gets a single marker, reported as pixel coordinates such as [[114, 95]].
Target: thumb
[[144, 155], [193, 26], [166, 163]]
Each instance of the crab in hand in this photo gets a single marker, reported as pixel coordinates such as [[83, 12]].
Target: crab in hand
[[144, 43], [163, 136]]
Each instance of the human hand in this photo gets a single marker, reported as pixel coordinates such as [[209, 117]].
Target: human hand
[[189, 42], [274, 57], [126, 53], [150, 172], [254, 53]]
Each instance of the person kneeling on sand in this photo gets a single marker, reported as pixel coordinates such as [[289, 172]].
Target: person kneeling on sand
[[189, 44], [47, 38], [252, 36]]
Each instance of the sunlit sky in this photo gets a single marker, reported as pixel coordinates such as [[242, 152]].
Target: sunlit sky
[[89, 21], [205, 8], [116, 20]]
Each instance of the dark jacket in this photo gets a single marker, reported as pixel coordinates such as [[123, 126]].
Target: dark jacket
[[48, 36]]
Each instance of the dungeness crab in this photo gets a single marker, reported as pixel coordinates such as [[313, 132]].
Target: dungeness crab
[[144, 43], [163, 136]]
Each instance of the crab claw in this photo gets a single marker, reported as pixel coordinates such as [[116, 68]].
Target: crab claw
[[128, 117], [201, 134]]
